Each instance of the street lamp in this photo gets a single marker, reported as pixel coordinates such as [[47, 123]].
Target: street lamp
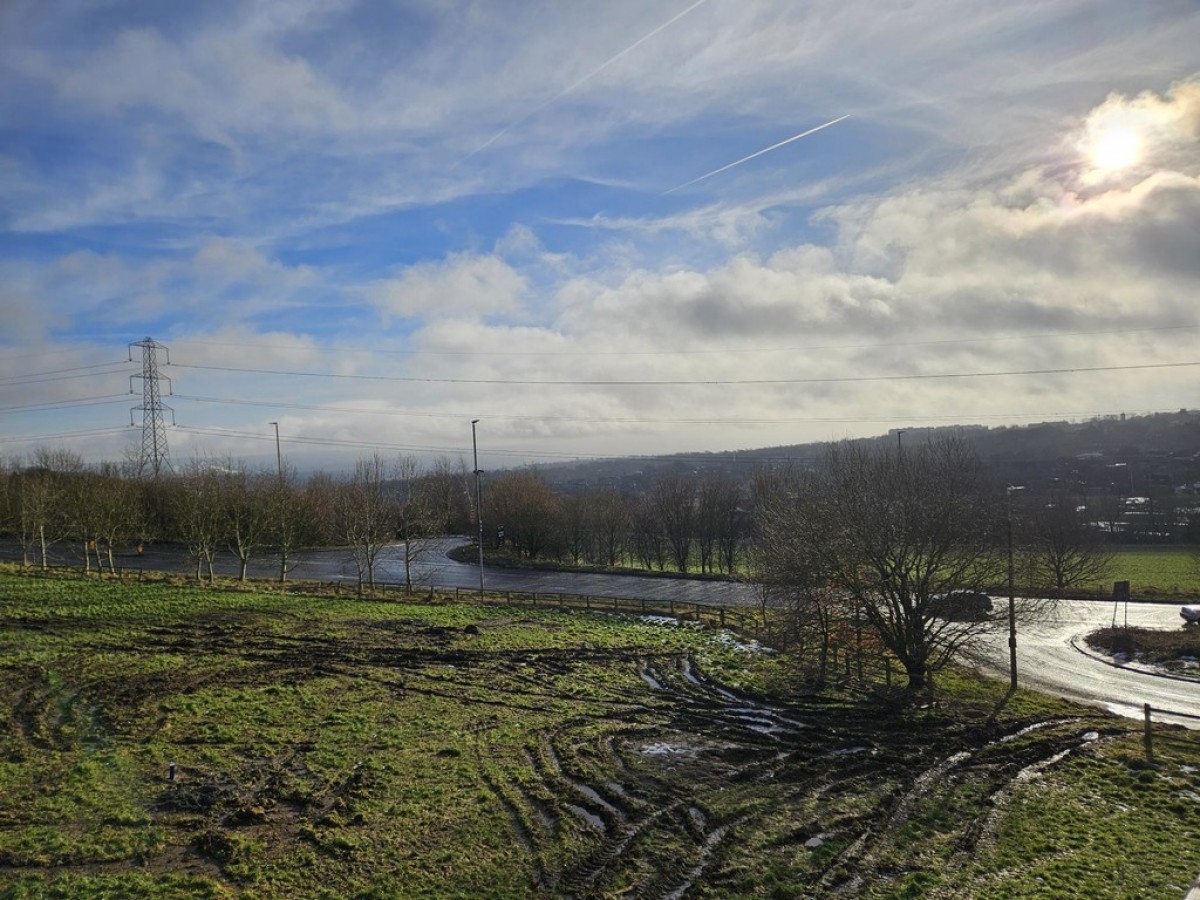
[[478, 501], [278, 452], [1012, 600], [900, 439], [283, 541]]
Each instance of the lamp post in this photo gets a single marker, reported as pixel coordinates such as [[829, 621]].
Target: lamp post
[[478, 500], [278, 453], [900, 439], [1012, 600], [282, 509]]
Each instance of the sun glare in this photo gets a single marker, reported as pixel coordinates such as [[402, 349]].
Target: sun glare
[[1116, 148]]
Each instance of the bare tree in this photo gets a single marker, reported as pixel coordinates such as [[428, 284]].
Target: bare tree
[[366, 515], [247, 510], [1066, 550], [647, 542], [801, 610], [894, 531], [45, 504], [117, 512], [673, 500], [419, 514], [527, 509], [449, 495], [717, 523], [608, 517], [198, 513], [37, 521], [574, 525]]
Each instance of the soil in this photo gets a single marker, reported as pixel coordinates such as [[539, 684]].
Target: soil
[[651, 794]]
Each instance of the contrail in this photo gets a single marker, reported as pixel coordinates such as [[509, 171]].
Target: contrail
[[590, 75], [726, 168]]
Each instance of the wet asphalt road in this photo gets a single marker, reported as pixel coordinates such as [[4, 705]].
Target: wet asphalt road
[[432, 568], [1052, 657]]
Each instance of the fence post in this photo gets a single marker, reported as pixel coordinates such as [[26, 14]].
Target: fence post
[[1149, 734]]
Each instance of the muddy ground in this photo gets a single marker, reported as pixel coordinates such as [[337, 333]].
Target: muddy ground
[[605, 771]]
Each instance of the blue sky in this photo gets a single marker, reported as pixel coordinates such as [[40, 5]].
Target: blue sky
[[440, 211]]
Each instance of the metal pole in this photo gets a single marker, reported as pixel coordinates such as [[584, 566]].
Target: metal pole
[[278, 452], [1012, 601], [282, 509], [478, 500]]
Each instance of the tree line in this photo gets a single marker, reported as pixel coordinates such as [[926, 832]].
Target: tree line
[[860, 550]]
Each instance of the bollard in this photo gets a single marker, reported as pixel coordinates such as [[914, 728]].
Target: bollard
[[1149, 734]]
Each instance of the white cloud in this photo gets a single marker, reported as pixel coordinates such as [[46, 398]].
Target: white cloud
[[463, 284]]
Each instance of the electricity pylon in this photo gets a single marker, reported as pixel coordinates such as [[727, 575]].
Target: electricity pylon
[[153, 458]]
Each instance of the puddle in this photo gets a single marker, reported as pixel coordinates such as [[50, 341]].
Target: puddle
[[1036, 726], [664, 749], [590, 819], [591, 794], [648, 677]]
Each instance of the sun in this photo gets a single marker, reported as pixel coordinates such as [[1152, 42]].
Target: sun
[[1116, 147]]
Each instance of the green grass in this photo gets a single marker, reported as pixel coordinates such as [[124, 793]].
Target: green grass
[[1157, 571], [333, 747]]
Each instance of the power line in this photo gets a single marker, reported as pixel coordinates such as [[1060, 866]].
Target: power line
[[701, 382], [805, 348], [25, 439], [122, 364], [659, 420], [14, 382], [68, 404]]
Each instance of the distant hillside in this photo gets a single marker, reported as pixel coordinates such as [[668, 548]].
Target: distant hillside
[[1153, 455]]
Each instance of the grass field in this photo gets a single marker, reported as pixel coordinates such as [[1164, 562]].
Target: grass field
[[1157, 571], [334, 748], [1153, 571]]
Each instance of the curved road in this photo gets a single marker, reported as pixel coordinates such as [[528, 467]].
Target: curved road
[[1048, 657], [432, 568], [1052, 657]]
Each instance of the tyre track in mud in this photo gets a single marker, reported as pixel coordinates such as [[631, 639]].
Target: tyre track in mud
[[648, 789], [860, 863]]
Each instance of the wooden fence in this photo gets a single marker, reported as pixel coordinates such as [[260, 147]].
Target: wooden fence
[[1148, 712]]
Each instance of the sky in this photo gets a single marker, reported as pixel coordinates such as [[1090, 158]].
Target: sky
[[623, 228]]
